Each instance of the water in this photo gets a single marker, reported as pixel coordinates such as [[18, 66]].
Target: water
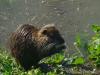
[[70, 16]]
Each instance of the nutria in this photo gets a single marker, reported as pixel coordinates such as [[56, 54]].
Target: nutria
[[29, 44]]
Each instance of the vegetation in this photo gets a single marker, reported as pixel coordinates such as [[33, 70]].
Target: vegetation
[[76, 63], [94, 46]]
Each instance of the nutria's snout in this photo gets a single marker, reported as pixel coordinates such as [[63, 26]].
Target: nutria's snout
[[61, 46]]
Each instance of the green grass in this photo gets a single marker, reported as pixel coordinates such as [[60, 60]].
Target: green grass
[[8, 65]]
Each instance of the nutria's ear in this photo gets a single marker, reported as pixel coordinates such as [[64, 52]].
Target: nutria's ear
[[43, 31]]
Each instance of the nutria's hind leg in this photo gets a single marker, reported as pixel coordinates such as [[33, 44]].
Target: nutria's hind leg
[[45, 67], [27, 67]]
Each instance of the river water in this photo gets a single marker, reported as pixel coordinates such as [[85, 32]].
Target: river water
[[70, 16]]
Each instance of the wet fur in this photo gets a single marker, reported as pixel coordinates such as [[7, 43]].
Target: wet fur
[[29, 44]]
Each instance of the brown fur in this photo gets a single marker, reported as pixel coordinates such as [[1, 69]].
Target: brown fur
[[29, 44]]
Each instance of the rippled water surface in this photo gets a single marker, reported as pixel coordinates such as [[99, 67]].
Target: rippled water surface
[[70, 16]]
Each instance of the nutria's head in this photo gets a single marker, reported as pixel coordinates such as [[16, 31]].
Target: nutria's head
[[49, 40]]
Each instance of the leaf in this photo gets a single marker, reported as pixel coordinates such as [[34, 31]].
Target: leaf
[[96, 28], [78, 60]]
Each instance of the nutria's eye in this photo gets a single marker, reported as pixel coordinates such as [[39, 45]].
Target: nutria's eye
[[44, 32]]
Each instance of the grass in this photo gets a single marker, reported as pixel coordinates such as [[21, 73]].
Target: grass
[[8, 65]]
